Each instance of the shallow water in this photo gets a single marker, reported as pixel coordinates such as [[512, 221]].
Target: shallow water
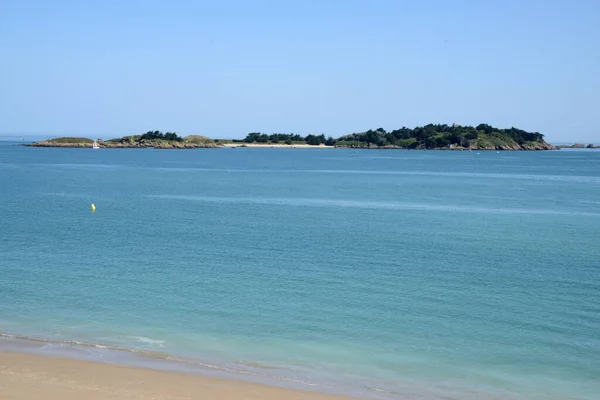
[[380, 273]]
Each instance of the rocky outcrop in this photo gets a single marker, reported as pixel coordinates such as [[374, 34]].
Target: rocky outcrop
[[538, 146], [46, 143], [126, 144], [507, 147], [186, 145]]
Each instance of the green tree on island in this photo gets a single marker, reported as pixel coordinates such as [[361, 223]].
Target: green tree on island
[[158, 135]]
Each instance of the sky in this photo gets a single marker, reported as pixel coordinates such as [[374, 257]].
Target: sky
[[225, 68]]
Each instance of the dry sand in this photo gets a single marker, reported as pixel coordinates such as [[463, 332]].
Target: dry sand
[[31, 377], [279, 146]]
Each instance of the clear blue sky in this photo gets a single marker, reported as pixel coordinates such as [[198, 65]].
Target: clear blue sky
[[226, 68]]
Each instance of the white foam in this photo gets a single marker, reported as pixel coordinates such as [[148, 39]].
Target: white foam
[[303, 202], [157, 342]]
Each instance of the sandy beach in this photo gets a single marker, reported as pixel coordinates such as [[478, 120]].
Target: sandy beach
[[27, 376], [278, 146]]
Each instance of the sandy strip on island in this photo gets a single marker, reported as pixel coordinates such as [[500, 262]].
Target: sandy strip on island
[[27, 376], [278, 146]]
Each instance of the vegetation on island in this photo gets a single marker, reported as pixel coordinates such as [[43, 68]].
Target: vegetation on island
[[71, 140], [289, 139], [432, 136], [197, 139], [66, 141], [158, 135], [159, 140], [150, 139], [440, 136]]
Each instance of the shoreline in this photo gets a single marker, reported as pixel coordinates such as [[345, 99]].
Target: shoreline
[[186, 146], [274, 377], [291, 146], [31, 376], [275, 146], [78, 362]]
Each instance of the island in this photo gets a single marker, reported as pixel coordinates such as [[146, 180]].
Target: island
[[150, 139], [578, 146], [431, 136], [453, 137]]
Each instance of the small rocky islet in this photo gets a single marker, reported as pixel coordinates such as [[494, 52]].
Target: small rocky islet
[[157, 141]]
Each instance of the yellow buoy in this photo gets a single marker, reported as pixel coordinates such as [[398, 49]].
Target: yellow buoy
[[93, 207]]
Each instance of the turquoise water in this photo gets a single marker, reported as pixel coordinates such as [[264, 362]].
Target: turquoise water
[[379, 273]]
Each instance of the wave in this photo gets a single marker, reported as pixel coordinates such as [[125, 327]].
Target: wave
[[73, 165], [239, 368], [304, 202], [80, 343], [247, 372], [64, 194], [473, 175], [485, 175], [482, 175], [10, 165], [145, 340], [254, 371]]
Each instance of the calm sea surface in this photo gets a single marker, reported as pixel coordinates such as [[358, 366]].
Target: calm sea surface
[[377, 273]]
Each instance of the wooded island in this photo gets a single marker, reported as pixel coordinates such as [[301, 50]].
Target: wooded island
[[432, 136]]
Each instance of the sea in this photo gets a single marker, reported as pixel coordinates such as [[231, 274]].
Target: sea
[[384, 274]]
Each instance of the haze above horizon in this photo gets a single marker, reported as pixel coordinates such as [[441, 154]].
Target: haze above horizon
[[222, 70]]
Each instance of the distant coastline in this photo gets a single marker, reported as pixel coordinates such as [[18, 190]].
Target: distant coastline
[[434, 137], [578, 146]]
